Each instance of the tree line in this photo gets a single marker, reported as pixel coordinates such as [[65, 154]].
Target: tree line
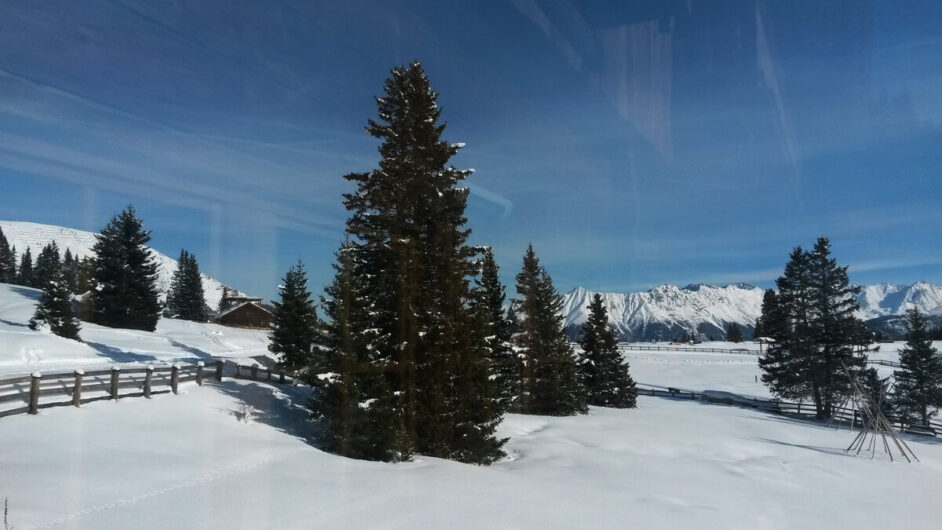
[[417, 352], [116, 285]]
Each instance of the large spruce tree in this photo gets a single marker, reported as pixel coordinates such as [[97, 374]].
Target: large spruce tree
[[919, 379], [550, 377], [7, 260], [55, 307], [186, 299], [817, 337], [604, 372], [125, 294], [294, 325], [409, 246]]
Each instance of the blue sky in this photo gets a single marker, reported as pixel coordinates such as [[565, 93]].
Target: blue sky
[[634, 143]]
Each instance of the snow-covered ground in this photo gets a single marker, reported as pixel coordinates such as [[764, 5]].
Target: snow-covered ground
[[190, 461], [24, 350]]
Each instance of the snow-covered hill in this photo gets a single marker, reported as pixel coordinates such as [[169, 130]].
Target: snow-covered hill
[[36, 236], [667, 311]]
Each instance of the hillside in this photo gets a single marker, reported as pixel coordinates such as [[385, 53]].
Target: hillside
[[667, 311], [35, 236]]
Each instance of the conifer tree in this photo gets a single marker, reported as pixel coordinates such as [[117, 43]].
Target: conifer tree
[[604, 372], [919, 379], [85, 277], [7, 260], [550, 376], [55, 307], [504, 381], [816, 333], [353, 406], [70, 270], [733, 333], [294, 325], [24, 273], [46, 264], [757, 329], [409, 246], [125, 293], [185, 298]]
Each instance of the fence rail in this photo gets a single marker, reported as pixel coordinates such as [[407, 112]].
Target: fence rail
[[735, 351], [83, 387], [839, 415]]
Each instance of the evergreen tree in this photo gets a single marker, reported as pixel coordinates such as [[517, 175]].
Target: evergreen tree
[[294, 325], [185, 299], [605, 374], [24, 274], [70, 266], [733, 333], [919, 379], [757, 329], [46, 264], [85, 277], [55, 307], [816, 333], [125, 276], [504, 381], [550, 376], [7, 260], [410, 253], [356, 412]]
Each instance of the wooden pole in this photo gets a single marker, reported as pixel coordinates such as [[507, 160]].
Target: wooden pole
[[148, 381], [281, 377], [115, 372], [268, 370], [219, 370], [77, 388], [255, 371], [199, 373], [238, 370], [34, 392], [174, 378]]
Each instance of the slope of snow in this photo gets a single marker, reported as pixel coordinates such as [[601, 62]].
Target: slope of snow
[[35, 236], [23, 350], [187, 462]]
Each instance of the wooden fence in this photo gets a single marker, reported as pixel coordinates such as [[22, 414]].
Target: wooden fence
[[840, 415], [734, 351], [81, 387]]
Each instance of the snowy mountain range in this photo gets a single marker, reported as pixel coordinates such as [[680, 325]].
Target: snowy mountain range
[[667, 311], [35, 236]]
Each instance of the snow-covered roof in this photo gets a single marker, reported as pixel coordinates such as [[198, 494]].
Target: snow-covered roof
[[237, 306]]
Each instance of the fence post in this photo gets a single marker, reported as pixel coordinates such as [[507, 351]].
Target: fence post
[[255, 371], [218, 370], [115, 372], [148, 381], [77, 388], [238, 370], [174, 377], [34, 392], [281, 377], [199, 373], [268, 370]]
